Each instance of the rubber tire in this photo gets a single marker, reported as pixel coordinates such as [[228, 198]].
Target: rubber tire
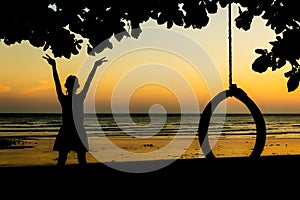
[[252, 107]]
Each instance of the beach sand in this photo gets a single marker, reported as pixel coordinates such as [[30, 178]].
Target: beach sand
[[38, 151], [30, 166]]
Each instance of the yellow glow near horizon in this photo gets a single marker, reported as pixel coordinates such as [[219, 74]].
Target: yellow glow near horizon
[[147, 96], [159, 70]]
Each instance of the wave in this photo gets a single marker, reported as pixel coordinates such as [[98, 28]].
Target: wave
[[234, 125]]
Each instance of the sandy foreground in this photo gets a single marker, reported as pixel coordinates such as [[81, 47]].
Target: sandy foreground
[[30, 167], [32, 152]]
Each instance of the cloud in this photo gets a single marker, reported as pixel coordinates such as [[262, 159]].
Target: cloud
[[4, 88], [42, 86]]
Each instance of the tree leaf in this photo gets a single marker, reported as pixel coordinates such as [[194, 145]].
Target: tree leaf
[[280, 63], [293, 83], [46, 47], [261, 64], [261, 51], [211, 7]]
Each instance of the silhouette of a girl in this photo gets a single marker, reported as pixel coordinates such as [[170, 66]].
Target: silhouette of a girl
[[72, 135]]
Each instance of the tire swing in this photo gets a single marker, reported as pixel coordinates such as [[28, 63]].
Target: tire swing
[[240, 95]]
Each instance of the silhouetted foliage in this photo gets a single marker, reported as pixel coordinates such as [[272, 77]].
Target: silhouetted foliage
[[61, 25], [283, 17]]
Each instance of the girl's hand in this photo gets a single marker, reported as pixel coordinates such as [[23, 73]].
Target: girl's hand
[[50, 60], [99, 62]]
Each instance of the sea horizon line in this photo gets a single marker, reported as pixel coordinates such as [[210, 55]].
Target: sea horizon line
[[146, 113]]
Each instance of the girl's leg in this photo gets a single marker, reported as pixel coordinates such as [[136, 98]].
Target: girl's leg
[[62, 158], [81, 156]]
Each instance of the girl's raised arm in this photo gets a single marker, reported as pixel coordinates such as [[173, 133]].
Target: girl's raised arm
[[91, 75], [52, 62]]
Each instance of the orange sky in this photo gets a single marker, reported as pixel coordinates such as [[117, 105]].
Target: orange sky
[[148, 76]]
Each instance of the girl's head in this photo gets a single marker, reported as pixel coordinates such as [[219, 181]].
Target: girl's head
[[72, 84]]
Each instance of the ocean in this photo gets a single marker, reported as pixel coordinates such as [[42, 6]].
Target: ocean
[[143, 125]]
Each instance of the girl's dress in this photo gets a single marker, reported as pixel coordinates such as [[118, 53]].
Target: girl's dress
[[71, 135]]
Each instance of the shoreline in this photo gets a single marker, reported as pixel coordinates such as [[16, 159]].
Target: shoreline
[[38, 151]]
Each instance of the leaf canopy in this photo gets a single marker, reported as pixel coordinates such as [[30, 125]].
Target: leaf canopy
[[56, 24]]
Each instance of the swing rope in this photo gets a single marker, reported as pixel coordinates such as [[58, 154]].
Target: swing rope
[[230, 45], [241, 96]]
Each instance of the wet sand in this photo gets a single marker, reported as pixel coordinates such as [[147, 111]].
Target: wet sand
[[38, 152]]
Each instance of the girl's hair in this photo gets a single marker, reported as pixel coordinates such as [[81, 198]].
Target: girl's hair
[[72, 83]]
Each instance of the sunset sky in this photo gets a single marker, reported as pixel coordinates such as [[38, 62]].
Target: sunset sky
[[137, 79]]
